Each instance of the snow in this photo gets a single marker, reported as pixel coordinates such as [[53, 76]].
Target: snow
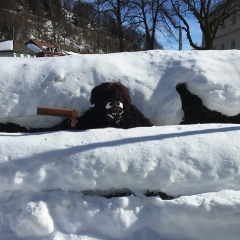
[[6, 45], [150, 76], [53, 183], [69, 53]]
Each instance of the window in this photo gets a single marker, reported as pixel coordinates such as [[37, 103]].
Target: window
[[232, 44], [222, 46], [214, 48]]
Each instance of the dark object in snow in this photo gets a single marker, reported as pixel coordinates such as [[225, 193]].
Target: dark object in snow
[[112, 193], [162, 195], [195, 112], [12, 128], [15, 128], [112, 108]]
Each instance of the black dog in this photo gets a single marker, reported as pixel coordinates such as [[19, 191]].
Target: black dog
[[112, 108]]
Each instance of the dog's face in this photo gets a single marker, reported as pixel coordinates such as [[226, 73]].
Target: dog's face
[[111, 100], [114, 109]]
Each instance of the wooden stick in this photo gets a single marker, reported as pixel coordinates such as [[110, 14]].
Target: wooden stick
[[58, 112]]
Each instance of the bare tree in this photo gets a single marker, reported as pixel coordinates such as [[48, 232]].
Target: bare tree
[[150, 16], [119, 10], [209, 13], [38, 24], [10, 4], [83, 13], [8, 19], [67, 4]]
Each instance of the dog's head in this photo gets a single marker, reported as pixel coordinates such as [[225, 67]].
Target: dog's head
[[111, 100]]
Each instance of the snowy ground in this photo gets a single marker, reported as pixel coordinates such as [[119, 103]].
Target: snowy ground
[[48, 180]]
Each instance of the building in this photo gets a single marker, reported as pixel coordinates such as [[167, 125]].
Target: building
[[43, 49], [13, 48], [66, 49], [228, 35]]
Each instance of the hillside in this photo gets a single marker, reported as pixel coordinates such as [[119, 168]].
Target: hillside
[[23, 22]]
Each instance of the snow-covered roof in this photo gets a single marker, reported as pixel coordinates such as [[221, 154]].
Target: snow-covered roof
[[6, 45]]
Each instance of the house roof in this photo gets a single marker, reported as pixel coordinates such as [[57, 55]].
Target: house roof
[[44, 46], [15, 46], [20, 48]]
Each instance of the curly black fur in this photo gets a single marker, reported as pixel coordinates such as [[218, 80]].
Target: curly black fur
[[96, 117]]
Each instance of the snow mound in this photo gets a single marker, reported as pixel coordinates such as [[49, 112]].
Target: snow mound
[[47, 178], [151, 78], [175, 160], [34, 220]]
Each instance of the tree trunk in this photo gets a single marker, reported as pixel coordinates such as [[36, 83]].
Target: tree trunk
[[119, 26]]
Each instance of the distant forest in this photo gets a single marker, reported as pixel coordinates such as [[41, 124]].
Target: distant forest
[[91, 26]]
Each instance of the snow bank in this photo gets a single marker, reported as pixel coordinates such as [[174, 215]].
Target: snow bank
[[47, 178], [150, 76], [175, 160]]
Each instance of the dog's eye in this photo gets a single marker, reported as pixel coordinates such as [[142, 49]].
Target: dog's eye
[[119, 104], [109, 105]]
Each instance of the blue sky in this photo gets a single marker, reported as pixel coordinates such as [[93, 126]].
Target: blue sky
[[195, 33]]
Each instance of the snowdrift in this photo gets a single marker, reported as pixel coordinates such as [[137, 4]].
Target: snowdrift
[[52, 183], [46, 178], [150, 76], [175, 160]]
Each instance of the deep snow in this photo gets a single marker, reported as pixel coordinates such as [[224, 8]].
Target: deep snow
[[52, 182]]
